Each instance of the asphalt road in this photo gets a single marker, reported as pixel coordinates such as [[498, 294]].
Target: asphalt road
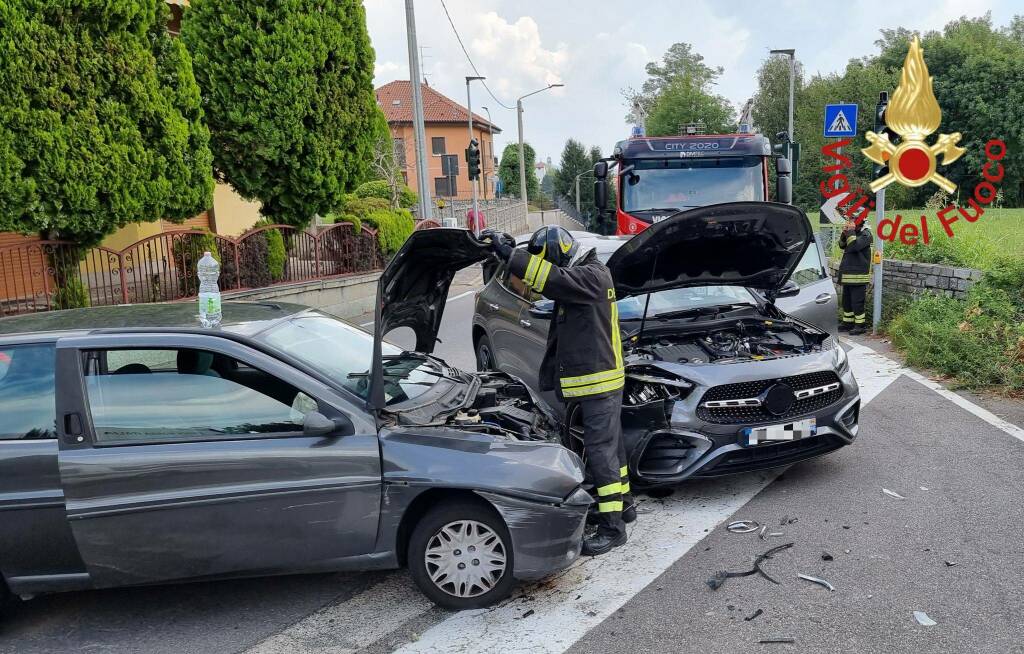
[[956, 465]]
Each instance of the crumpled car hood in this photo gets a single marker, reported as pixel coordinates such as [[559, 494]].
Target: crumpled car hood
[[752, 244]]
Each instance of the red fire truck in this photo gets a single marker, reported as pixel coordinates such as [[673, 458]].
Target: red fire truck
[[659, 176]]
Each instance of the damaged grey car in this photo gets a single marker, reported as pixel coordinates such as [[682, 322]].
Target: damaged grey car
[[138, 448], [719, 379]]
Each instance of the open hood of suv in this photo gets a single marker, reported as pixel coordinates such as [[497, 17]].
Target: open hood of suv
[[414, 287], [753, 244]]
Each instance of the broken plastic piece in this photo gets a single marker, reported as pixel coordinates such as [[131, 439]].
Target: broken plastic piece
[[776, 533], [764, 529], [825, 556], [753, 615], [818, 581], [923, 619], [950, 564], [766, 641], [893, 494], [742, 526]]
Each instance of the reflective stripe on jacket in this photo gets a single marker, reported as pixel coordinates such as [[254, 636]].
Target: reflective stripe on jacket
[[855, 268], [583, 357]]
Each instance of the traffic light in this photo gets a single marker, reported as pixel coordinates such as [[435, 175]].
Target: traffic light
[[882, 129], [473, 159]]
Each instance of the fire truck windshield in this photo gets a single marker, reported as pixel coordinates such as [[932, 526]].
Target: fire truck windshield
[[682, 183]]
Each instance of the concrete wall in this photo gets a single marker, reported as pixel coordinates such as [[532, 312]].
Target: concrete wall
[[908, 278], [345, 297]]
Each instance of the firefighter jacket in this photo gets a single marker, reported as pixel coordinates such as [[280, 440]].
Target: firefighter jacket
[[855, 268], [583, 358]]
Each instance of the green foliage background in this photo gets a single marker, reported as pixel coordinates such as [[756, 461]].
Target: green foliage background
[[393, 227], [508, 170], [101, 119], [288, 92]]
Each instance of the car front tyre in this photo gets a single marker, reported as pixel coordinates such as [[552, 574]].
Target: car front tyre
[[484, 354], [460, 556]]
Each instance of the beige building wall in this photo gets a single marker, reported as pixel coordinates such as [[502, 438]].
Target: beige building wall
[[233, 214], [456, 139]]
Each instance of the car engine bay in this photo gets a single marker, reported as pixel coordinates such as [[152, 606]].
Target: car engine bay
[[742, 340]]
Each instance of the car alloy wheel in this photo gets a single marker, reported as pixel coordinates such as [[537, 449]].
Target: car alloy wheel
[[484, 356], [465, 558]]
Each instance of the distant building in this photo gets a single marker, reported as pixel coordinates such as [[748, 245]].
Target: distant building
[[447, 138]]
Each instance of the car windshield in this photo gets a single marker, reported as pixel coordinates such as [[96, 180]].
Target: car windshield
[[683, 299], [343, 353], [685, 183]]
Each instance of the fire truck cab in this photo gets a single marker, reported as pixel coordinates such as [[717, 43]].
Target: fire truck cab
[[660, 176]]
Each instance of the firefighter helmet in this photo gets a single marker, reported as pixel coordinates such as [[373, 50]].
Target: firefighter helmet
[[554, 244]]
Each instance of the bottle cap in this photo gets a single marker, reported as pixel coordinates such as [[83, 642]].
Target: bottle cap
[[206, 254]]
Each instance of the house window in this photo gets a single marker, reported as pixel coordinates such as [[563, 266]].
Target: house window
[[399, 146], [446, 187], [437, 145], [450, 165]]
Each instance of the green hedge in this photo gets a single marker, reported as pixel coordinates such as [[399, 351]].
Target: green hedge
[[334, 218], [382, 190], [276, 252], [393, 228], [362, 207]]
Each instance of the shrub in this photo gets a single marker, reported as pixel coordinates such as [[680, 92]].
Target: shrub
[[380, 189], [362, 207], [277, 255], [187, 251], [393, 228], [407, 198], [334, 218], [70, 295]]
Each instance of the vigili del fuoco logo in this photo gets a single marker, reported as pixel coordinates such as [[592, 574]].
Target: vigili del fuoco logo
[[914, 114]]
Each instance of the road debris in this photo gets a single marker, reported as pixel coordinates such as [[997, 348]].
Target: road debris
[[825, 556], [773, 534], [924, 488], [528, 613], [950, 564], [753, 615], [769, 641], [923, 619], [716, 582], [784, 519], [742, 526], [764, 529], [818, 581], [893, 494]]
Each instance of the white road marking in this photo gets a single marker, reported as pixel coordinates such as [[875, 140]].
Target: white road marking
[[451, 299], [606, 583], [347, 627]]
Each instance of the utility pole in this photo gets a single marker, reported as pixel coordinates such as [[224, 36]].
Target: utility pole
[[472, 182], [522, 156], [419, 133], [490, 138]]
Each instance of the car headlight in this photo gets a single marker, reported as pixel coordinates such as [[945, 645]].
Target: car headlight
[[842, 359]]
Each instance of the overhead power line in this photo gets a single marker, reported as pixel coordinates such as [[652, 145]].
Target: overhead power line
[[470, 59]]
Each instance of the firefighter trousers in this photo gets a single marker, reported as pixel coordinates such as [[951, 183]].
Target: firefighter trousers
[[853, 303], [605, 455]]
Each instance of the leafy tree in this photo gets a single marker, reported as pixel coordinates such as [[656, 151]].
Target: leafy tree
[[102, 124], [771, 101], [573, 162], [679, 62], [508, 170], [684, 101], [288, 92]]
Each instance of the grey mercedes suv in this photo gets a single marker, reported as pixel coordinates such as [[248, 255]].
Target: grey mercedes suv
[[719, 378]]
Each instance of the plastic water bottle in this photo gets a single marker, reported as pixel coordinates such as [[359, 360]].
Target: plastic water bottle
[[209, 293]]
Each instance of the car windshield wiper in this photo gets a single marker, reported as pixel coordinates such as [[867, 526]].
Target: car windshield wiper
[[709, 310]]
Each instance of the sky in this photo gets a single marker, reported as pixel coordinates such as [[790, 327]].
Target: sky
[[599, 47]]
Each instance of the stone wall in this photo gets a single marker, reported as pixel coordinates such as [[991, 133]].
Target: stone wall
[[344, 297], [908, 278]]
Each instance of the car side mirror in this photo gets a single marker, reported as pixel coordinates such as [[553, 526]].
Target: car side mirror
[[601, 186], [317, 424], [783, 181], [542, 309], [789, 289]]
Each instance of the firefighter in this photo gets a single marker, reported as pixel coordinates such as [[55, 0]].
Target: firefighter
[[854, 274], [582, 362]]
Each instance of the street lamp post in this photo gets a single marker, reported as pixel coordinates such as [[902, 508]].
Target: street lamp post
[[418, 129], [472, 182], [490, 135], [791, 53], [522, 156]]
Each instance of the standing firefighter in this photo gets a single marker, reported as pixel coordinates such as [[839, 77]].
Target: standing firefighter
[[854, 275], [583, 361]]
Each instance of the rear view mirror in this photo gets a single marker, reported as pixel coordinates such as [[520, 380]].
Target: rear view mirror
[[542, 309], [783, 181], [601, 186], [317, 424], [789, 289]]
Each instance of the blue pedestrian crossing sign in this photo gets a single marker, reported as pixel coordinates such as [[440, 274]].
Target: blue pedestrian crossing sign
[[840, 120]]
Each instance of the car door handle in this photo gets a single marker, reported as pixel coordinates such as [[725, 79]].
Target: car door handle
[[823, 298], [525, 323], [492, 306], [73, 427]]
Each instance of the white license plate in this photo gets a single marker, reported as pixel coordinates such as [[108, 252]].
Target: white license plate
[[789, 431]]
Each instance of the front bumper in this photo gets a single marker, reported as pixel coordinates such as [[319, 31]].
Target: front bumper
[[546, 538], [691, 448]]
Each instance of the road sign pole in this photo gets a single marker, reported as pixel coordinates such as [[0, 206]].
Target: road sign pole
[[876, 279]]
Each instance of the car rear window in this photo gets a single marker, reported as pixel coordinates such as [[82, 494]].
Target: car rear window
[[27, 402]]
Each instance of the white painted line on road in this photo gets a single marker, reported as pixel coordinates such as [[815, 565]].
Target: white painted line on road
[[351, 625], [604, 584], [451, 299], [868, 362]]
